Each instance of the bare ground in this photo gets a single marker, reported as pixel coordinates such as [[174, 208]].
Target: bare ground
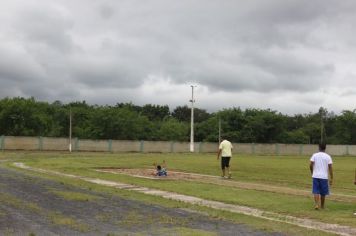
[[30, 205]]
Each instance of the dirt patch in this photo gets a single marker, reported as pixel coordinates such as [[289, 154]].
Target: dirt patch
[[29, 204], [150, 174], [177, 175]]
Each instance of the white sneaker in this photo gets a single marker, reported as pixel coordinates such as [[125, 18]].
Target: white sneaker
[[354, 214]]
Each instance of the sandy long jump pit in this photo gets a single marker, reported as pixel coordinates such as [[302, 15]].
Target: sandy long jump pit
[[150, 174]]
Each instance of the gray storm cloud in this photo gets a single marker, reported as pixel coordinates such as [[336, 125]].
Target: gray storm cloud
[[66, 50]]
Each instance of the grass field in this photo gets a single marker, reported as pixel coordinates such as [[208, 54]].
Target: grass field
[[279, 184]]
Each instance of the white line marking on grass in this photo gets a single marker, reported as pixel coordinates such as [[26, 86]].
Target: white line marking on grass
[[306, 223]]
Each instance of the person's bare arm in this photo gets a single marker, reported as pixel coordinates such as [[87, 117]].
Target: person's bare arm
[[311, 167], [155, 168], [331, 174], [219, 152]]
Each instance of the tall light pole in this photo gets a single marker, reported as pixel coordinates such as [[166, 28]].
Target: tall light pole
[[192, 121], [219, 131], [70, 129], [322, 126]]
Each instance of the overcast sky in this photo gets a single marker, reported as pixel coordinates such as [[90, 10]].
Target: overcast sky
[[292, 56]]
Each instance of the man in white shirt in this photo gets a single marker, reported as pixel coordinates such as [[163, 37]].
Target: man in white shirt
[[321, 169], [225, 148]]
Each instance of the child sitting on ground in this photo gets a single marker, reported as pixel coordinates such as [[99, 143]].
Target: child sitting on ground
[[160, 169]]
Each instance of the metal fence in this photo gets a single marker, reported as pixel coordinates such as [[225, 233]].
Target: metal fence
[[62, 144]]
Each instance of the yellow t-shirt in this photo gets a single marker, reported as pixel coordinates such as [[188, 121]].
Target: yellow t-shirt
[[225, 147]]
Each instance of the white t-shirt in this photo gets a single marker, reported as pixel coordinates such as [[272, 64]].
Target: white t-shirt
[[321, 161], [225, 147]]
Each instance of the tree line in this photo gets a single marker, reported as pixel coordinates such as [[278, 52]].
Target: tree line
[[126, 121]]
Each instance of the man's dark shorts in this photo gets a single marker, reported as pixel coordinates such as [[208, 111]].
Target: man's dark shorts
[[320, 186], [225, 162]]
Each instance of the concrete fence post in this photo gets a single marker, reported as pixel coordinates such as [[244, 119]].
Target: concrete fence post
[[76, 144], [172, 146], [277, 149], [40, 143], [300, 149], [2, 142], [142, 146], [347, 150], [110, 145], [201, 147]]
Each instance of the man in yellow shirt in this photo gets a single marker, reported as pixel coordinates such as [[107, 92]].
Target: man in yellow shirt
[[225, 148]]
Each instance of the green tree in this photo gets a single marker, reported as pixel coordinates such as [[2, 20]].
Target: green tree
[[120, 123], [208, 130], [172, 129], [183, 114], [20, 116], [81, 116], [346, 127], [155, 112]]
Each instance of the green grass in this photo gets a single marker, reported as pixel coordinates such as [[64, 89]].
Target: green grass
[[58, 218], [135, 219], [13, 201], [184, 232], [74, 196], [284, 171], [55, 217]]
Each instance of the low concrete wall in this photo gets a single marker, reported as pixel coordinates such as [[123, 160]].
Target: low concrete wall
[[156, 146], [351, 150], [58, 144], [206, 147], [289, 149], [20, 143], [338, 150], [181, 147], [242, 148], [125, 146], [91, 145], [62, 144]]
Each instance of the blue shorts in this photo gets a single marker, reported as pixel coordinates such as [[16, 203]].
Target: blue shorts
[[161, 173], [320, 186]]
